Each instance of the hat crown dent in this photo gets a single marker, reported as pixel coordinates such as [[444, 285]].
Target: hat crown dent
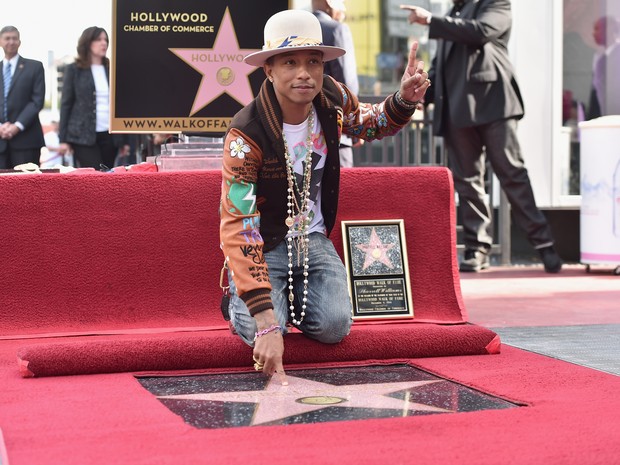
[[292, 23], [292, 30]]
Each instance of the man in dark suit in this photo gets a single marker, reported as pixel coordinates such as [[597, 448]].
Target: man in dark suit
[[477, 106], [22, 84], [605, 95], [330, 14]]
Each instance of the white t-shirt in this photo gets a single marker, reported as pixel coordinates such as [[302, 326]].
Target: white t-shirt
[[50, 158], [296, 136], [102, 94]]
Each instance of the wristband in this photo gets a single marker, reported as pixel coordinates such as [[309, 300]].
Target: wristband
[[262, 332], [405, 103]]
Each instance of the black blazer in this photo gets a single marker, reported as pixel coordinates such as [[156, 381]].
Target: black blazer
[[78, 105], [329, 29], [24, 101], [471, 73]]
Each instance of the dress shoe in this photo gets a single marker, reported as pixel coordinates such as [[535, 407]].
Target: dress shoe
[[551, 259], [474, 260]]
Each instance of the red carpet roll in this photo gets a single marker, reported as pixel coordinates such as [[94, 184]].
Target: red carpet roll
[[220, 349]]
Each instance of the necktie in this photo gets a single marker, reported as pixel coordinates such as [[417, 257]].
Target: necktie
[[7, 83]]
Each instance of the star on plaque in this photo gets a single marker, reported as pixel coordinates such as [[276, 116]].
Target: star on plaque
[[222, 67], [375, 251]]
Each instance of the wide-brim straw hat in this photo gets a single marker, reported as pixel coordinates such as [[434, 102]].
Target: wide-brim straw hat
[[292, 30]]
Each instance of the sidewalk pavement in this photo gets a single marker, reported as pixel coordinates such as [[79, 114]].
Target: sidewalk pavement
[[573, 316]]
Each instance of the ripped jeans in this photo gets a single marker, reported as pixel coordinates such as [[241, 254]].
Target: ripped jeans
[[328, 315]]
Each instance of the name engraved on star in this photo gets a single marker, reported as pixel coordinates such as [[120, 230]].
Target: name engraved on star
[[375, 256], [375, 296], [321, 400]]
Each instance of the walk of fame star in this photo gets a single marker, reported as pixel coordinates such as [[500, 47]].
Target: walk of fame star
[[376, 251], [314, 396], [277, 402], [222, 67]]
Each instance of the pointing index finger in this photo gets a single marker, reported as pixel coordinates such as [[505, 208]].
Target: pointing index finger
[[412, 54], [282, 377]]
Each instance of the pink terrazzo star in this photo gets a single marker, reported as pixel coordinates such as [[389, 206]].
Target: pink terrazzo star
[[222, 67], [376, 251], [277, 402]]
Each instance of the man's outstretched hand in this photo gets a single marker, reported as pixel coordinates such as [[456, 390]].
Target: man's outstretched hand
[[417, 15], [415, 80]]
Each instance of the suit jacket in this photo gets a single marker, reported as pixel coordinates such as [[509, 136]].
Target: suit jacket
[[78, 106], [606, 99], [24, 101], [336, 34], [342, 69], [473, 79], [328, 28]]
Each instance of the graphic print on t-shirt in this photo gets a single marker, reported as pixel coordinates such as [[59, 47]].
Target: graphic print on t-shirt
[[296, 137]]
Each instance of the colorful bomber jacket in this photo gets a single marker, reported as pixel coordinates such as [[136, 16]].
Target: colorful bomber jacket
[[253, 206]]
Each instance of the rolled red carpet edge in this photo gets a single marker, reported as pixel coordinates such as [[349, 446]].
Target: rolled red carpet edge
[[221, 349]]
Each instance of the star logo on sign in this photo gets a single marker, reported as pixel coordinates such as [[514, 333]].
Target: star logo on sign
[[376, 251], [222, 67], [277, 402]]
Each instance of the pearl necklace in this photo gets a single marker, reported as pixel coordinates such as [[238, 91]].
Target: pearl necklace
[[298, 230]]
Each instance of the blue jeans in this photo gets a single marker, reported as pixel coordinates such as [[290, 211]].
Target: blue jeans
[[328, 316]]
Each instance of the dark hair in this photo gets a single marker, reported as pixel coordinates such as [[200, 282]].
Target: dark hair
[[83, 47], [9, 29]]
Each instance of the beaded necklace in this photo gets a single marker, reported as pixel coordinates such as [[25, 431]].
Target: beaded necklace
[[298, 218]]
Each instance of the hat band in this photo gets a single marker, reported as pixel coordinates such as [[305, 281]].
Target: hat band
[[290, 41]]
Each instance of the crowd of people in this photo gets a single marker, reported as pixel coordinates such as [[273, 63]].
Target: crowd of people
[[81, 136]]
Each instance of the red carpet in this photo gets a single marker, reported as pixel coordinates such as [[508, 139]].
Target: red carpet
[[132, 259], [106, 253], [572, 297], [570, 419], [138, 255], [124, 253]]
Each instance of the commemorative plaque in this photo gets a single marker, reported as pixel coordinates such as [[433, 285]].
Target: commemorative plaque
[[177, 67], [375, 255]]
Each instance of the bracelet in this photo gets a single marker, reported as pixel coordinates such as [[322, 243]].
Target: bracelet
[[262, 332], [405, 103]]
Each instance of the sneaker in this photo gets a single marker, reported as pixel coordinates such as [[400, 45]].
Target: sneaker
[[474, 260], [551, 259]]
